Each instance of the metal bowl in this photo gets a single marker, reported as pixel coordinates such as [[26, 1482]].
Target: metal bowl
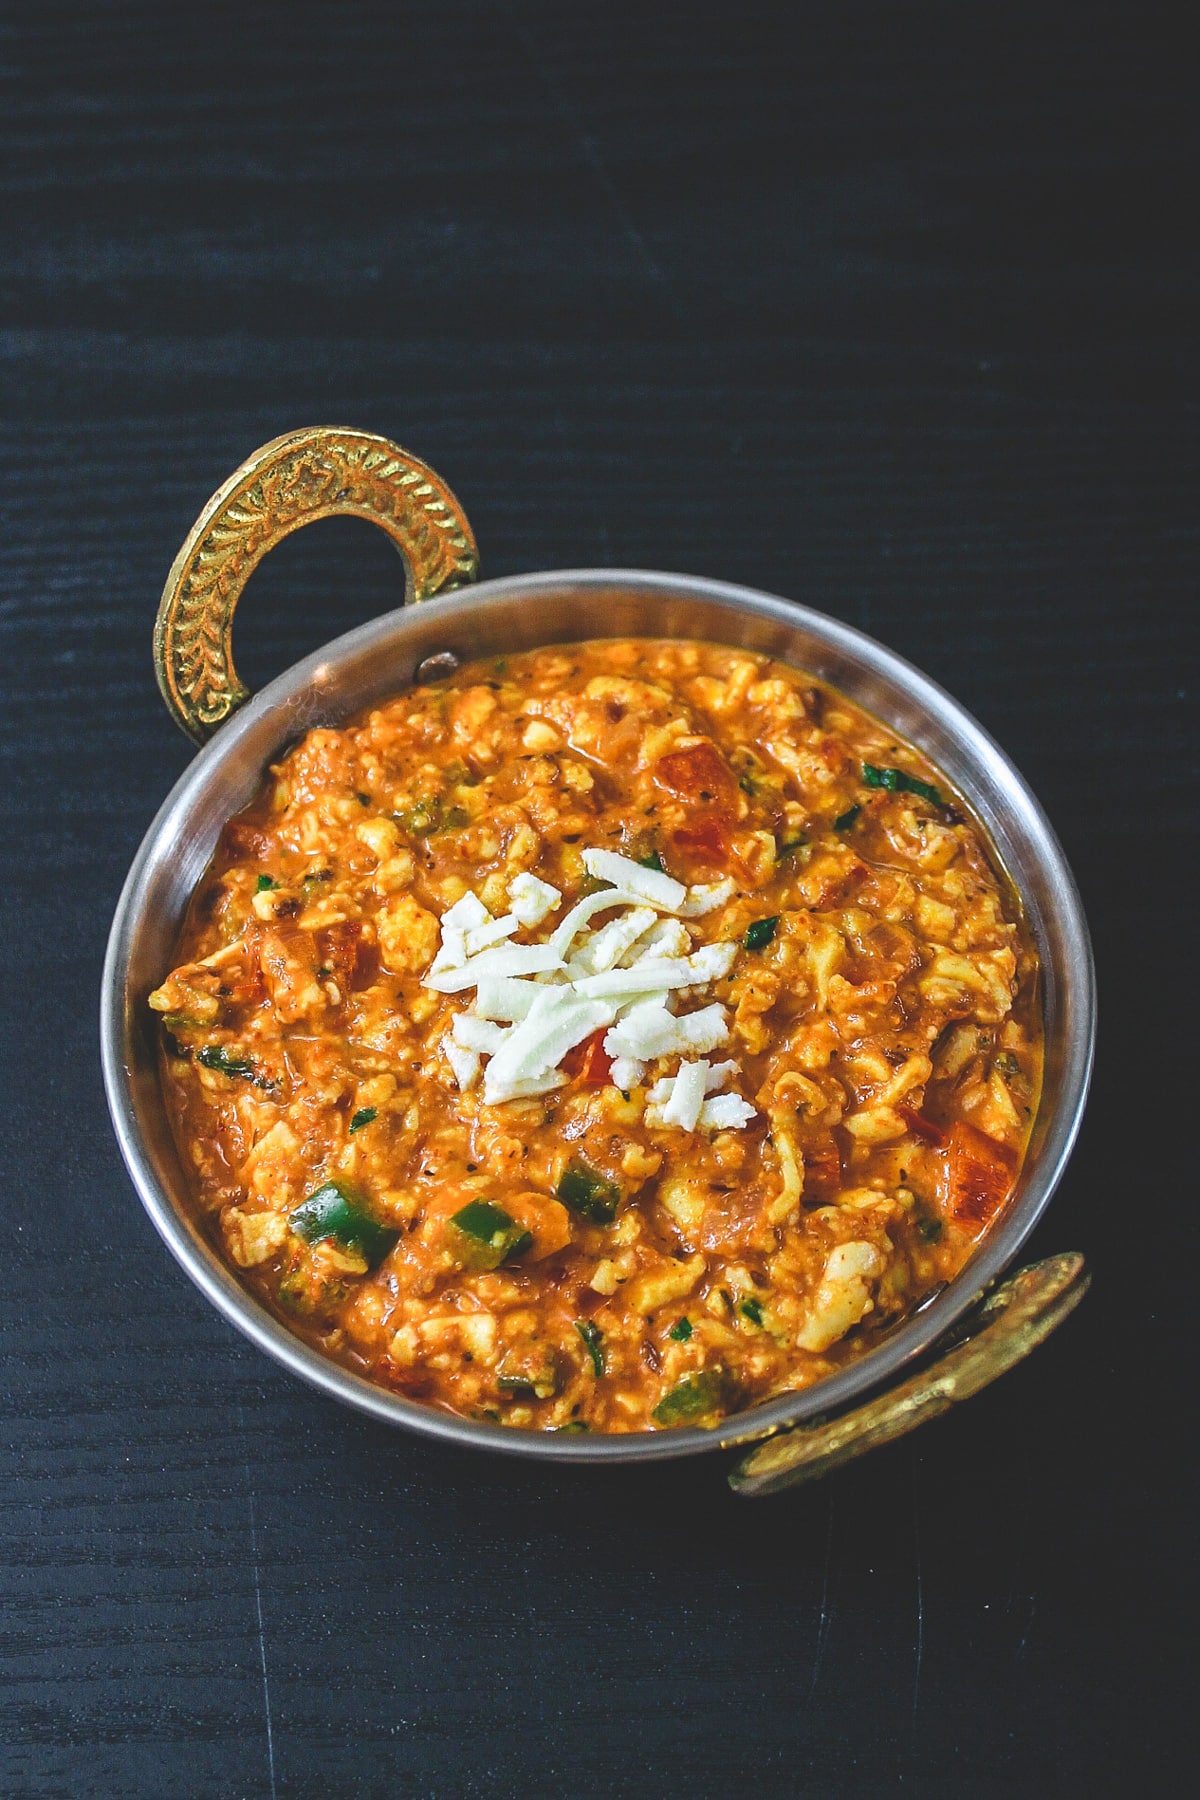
[[519, 613]]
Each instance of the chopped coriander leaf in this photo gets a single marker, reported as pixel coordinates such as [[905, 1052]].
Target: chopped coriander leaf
[[846, 820], [486, 1235], [897, 782], [681, 1331], [791, 845], [337, 1211], [760, 932], [752, 1310], [225, 1062], [362, 1117], [653, 860], [702, 1395], [457, 819], [584, 1191], [264, 884], [572, 1425], [929, 1230], [593, 1339]]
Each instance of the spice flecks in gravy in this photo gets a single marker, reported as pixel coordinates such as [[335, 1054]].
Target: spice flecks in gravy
[[620, 1165]]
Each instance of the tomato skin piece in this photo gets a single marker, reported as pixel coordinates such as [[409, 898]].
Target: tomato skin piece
[[921, 1127], [707, 840], [700, 774], [979, 1173], [590, 1061]]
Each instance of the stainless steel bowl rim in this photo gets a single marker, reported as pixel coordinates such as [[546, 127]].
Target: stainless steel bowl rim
[[291, 696]]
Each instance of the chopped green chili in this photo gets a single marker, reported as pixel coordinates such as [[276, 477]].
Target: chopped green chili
[[457, 819], [929, 1230], [790, 846], [846, 820], [681, 1331], [584, 1191], [593, 1339], [336, 1211], [517, 1387], [520, 1381], [363, 1116], [572, 1425], [760, 932], [897, 782], [422, 818], [488, 1235], [752, 1310], [699, 1396]]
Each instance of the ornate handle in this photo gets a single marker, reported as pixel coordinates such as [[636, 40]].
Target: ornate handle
[[1011, 1322], [301, 476]]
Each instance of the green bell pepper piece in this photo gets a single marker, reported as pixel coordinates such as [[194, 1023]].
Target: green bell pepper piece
[[336, 1211]]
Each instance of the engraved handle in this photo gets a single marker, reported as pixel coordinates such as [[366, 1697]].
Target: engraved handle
[[304, 475], [1013, 1320]]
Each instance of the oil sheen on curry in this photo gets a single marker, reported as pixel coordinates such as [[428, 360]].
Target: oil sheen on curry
[[605, 1038]]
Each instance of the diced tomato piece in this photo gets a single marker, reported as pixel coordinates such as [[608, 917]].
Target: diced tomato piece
[[922, 1127], [246, 985], [822, 1167], [352, 962], [707, 840], [979, 1173], [244, 842], [827, 882], [589, 1061], [700, 774]]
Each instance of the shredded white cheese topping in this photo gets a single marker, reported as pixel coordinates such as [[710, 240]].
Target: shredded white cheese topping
[[536, 1002]]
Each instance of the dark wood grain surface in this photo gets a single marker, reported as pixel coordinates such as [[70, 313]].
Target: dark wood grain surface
[[888, 308]]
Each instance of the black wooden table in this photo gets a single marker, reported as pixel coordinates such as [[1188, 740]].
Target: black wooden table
[[887, 308]]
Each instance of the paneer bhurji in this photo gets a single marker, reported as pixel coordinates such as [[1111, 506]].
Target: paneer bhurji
[[604, 1038]]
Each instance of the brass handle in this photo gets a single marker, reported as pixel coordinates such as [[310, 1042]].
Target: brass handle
[[1011, 1321], [304, 475]]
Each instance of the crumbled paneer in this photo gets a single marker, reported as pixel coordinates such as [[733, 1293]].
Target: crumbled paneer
[[609, 1037]]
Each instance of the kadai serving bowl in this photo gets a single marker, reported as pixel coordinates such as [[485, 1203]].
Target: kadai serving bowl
[[957, 1339]]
